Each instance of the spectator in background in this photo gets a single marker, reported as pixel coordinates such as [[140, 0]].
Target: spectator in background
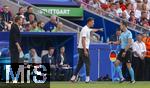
[[29, 11], [138, 9], [124, 16], [147, 4], [49, 26], [128, 10], [113, 9], [145, 9], [59, 27], [95, 3], [28, 27], [32, 18], [40, 26], [34, 27], [21, 11], [132, 19], [122, 5], [6, 14], [118, 9], [143, 18], [49, 60], [145, 23], [2, 24]]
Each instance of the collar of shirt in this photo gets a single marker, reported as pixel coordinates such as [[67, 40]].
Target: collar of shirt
[[49, 56]]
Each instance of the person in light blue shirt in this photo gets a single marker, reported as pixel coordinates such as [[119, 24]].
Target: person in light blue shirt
[[124, 37], [32, 57], [125, 54]]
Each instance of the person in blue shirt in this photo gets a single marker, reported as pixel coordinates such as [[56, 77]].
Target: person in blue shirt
[[49, 26], [125, 54]]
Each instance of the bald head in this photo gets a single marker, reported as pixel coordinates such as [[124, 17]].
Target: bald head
[[53, 19]]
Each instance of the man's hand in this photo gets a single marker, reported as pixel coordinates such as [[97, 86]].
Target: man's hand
[[86, 53], [142, 57], [52, 66], [19, 49]]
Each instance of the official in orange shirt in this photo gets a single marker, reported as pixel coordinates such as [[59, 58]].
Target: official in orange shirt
[[146, 40]]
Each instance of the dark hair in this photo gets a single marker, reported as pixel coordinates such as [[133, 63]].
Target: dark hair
[[32, 22], [90, 19], [5, 6], [139, 34], [20, 8], [51, 48], [17, 18], [29, 7], [131, 12], [39, 23], [124, 23], [118, 29]]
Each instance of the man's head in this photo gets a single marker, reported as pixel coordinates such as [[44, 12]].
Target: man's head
[[129, 5], [6, 8], [19, 20], [124, 16], [123, 25], [32, 52], [144, 15], [53, 19], [51, 50], [139, 37], [34, 24], [21, 10], [30, 9], [31, 17], [145, 34], [62, 49], [113, 6], [145, 1], [90, 22]]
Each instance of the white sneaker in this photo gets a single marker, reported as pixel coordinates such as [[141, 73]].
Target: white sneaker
[[15, 80], [87, 79], [73, 78]]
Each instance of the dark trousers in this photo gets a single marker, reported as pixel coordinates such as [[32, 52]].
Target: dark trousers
[[14, 60], [66, 74], [83, 59], [139, 67], [147, 69], [53, 74]]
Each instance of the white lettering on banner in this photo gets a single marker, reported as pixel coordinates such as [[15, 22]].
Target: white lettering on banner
[[57, 11], [35, 73]]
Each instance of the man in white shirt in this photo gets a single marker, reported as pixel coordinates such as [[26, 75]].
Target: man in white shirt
[[139, 52], [83, 49]]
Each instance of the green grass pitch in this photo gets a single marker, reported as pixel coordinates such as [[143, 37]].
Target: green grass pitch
[[107, 84]]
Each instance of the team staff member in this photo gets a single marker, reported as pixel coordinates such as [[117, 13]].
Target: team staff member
[[146, 40], [139, 52], [14, 43], [83, 49]]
